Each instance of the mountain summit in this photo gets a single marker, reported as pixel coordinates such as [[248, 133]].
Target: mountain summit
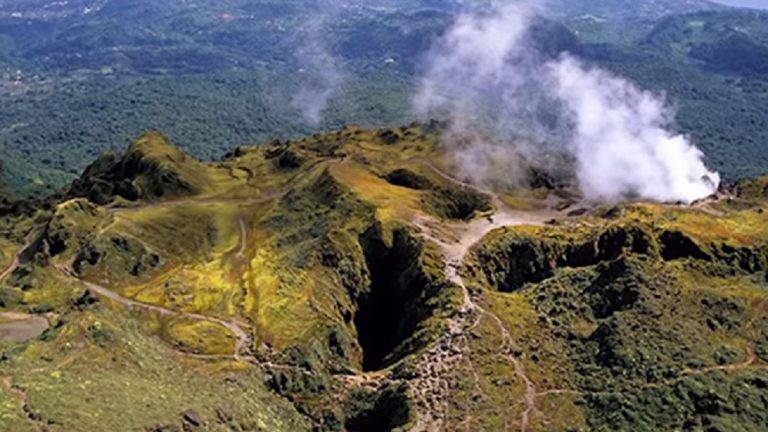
[[350, 281]]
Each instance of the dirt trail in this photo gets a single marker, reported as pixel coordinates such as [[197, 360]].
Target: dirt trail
[[11, 267], [242, 336], [750, 354], [199, 201], [751, 361], [28, 241], [243, 239], [455, 240], [241, 201]]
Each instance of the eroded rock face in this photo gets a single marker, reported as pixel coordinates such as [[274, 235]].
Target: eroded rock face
[[116, 255], [521, 260], [448, 202], [68, 229], [509, 260], [409, 179], [635, 306], [676, 245], [342, 300]]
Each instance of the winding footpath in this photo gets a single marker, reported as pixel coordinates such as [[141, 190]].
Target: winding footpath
[[238, 328], [455, 241], [241, 335], [11, 267], [243, 239], [431, 385], [750, 358], [28, 241], [751, 361]]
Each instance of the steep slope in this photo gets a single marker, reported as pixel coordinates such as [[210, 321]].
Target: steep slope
[[652, 319], [346, 281], [149, 170]]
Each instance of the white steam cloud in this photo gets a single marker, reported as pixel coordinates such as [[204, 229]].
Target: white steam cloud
[[485, 71], [321, 74], [621, 141]]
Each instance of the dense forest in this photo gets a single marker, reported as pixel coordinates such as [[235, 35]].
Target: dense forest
[[215, 75]]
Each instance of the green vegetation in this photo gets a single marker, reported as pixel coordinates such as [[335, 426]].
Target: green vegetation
[[118, 378], [224, 73], [312, 285], [269, 264], [648, 321], [344, 281]]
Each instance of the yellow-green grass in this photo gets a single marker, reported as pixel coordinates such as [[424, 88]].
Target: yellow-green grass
[[200, 337], [50, 291], [274, 237], [279, 300], [8, 250], [737, 227], [392, 202], [12, 417], [101, 372], [685, 287]]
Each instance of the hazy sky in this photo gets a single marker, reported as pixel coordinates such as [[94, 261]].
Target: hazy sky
[[760, 4]]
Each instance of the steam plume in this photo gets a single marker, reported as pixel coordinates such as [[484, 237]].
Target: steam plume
[[621, 142], [485, 71], [322, 75]]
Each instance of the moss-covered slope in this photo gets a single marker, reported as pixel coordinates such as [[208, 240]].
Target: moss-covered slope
[[347, 281], [150, 169], [652, 319]]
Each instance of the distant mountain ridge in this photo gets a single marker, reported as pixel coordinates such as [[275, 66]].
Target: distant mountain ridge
[[626, 10]]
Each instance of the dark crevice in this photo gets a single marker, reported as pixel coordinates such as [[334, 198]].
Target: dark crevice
[[389, 410], [391, 310], [676, 245], [408, 179], [461, 203], [449, 202], [512, 262]]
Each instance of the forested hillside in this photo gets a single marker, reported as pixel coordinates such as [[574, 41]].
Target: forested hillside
[[217, 74]]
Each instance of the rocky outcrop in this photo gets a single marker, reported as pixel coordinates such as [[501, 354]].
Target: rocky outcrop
[[455, 202], [510, 259]]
